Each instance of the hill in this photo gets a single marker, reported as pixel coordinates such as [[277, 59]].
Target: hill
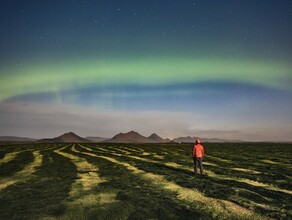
[[157, 139], [189, 139], [130, 137], [65, 138]]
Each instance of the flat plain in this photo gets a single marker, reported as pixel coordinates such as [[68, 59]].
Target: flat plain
[[145, 181]]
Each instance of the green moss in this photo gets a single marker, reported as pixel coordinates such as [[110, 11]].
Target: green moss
[[47, 192]]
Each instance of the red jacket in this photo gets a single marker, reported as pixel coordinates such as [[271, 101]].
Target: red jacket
[[198, 149]]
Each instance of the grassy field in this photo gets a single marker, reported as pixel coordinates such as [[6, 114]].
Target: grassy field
[[126, 181]]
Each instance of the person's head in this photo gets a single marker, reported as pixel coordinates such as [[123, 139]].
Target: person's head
[[198, 141]]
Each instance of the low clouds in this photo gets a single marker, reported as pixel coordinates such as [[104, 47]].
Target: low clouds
[[45, 120], [228, 134], [42, 120]]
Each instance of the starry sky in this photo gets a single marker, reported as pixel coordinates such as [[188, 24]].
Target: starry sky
[[202, 68]]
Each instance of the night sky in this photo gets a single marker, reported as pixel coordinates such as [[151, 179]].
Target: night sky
[[203, 68]]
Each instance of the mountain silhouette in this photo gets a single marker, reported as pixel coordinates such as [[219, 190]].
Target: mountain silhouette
[[157, 139], [130, 137], [69, 137], [135, 137], [189, 139], [16, 139]]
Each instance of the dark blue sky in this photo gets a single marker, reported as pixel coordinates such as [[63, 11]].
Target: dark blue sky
[[197, 66], [66, 29]]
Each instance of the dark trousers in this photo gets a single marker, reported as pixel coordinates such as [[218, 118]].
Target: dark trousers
[[198, 163]]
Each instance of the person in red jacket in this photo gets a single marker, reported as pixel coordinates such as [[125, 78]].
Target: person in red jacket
[[198, 155]]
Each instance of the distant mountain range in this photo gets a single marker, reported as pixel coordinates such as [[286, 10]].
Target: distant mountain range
[[189, 139], [154, 137], [130, 137], [96, 139], [15, 139], [135, 137]]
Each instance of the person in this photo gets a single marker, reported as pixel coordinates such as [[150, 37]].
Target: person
[[198, 155]]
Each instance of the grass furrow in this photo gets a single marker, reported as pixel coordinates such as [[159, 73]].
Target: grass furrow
[[136, 198], [16, 164], [82, 194], [218, 187], [210, 206], [87, 173], [24, 174], [145, 181], [44, 193], [209, 172]]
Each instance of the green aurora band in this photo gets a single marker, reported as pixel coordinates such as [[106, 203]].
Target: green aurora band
[[54, 77]]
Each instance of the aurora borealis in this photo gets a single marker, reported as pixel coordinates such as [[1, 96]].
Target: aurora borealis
[[201, 68]]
